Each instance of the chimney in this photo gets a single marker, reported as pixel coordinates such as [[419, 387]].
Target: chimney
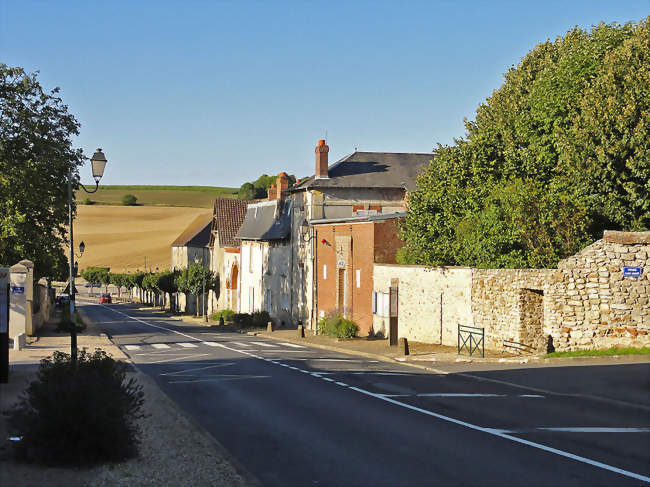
[[282, 185], [321, 160], [271, 193]]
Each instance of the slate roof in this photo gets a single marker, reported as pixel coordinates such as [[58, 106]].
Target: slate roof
[[197, 234], [360, 218], [268, 220], [227, 217], [372, 170]]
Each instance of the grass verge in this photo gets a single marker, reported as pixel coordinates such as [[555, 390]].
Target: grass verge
[[601, 353]]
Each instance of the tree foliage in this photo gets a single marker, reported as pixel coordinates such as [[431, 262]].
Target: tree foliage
[[259, 188], [559, 153], [36, 155]]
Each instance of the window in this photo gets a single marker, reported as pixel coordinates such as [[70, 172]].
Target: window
[[267, 300], [358, 277], [324, 271], [285, 302], [380, 303]]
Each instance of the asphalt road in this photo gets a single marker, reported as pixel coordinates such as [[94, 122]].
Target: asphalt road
[[295, 415]]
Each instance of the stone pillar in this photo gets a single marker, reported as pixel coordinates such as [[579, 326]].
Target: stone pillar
[[29, 298], [17, 299]]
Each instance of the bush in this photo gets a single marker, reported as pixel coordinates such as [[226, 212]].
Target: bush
[[88, 201], [78, 414], [337, 327], [261, 318], [129, 200], [243, 319], [226, 314]]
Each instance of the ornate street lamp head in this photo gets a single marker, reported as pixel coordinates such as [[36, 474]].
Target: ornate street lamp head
[[98, 161]]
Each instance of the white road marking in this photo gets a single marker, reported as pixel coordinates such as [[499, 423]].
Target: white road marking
[[238, 343], [212, 344], [598, 430], [132, 347], [212, 366], [342, 384], [291, 345], [160, 345], [182, 357], [262, 344], [187, 345], [531, 396], [456, 394], [343, 360], [506, 436]]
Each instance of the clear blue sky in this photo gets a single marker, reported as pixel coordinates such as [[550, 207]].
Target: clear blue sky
[[216, 93]]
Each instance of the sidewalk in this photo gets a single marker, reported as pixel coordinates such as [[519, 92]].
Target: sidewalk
[[174, 450]]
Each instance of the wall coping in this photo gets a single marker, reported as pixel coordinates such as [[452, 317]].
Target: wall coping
[[626, 238]]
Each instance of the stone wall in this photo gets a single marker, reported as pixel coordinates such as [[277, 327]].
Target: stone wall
[[592, 304], [432, 302], [503, 304], [587, 302]]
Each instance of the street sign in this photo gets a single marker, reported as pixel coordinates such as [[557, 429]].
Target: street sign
[[632, 271], [18, 290]]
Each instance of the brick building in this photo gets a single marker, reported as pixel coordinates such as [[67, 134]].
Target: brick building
[[346, 250]]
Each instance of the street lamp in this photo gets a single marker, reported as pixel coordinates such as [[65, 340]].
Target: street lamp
[[196, 261], [98, 162]]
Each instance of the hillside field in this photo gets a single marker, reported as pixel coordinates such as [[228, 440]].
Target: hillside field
[[189, 196], [120, 237]]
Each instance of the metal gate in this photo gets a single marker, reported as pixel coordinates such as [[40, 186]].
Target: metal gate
[[471, 338]]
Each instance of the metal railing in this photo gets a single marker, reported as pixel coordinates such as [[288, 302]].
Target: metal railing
[[470, 338]]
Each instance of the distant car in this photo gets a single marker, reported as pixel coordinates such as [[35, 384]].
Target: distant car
[[105, 298]]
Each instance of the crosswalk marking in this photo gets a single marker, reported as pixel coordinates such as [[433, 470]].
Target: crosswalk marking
[[212, 344], [239, 343], [132, 347], [188, 345], [291, 345], [160, 345], [262, 344]]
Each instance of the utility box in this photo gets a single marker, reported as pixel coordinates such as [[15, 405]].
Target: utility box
[[18, 299]]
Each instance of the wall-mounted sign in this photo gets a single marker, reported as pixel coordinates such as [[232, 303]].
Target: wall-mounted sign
[[632, 271], [341, 263], [17, 290]]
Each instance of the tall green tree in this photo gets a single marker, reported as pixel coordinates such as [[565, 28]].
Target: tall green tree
[[36, 155], [559, 153]]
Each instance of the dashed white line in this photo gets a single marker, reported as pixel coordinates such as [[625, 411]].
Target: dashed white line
[[456, 394], [263, 344], [188, 345], [212, 344], [291, 345], [160, 345], [132, 347]]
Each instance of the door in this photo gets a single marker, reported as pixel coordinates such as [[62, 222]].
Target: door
[[340, 301]]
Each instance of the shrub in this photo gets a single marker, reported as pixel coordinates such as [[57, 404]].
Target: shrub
[[88, 201], [78, 414], [129, 200], [226, 314], [243, 319], [261, 318], [337, 327]]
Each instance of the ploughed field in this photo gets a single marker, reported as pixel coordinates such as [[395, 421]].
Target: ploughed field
[[120, 237]]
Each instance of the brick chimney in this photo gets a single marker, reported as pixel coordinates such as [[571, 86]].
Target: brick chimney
[[282, 185], [271, 193], [321, 160]]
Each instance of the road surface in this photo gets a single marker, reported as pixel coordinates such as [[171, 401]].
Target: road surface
[[294, 415]]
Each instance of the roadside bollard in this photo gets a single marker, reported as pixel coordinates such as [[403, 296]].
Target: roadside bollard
[[403, 346], [269, 326], [220, 320], [301, 331]]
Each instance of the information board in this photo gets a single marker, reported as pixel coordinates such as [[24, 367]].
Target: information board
[[632, 271]]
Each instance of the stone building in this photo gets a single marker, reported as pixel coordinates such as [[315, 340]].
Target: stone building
[[359, 184], [597, 298], [227, 217], [189, 246], [264, 273]]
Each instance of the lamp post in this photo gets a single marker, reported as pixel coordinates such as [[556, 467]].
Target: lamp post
[[98, 162], [196, 261]]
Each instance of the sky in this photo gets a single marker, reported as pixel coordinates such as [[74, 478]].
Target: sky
[[217, 93]]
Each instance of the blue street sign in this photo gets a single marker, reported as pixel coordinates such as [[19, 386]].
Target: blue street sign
[[632, 271], [18, 290]]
